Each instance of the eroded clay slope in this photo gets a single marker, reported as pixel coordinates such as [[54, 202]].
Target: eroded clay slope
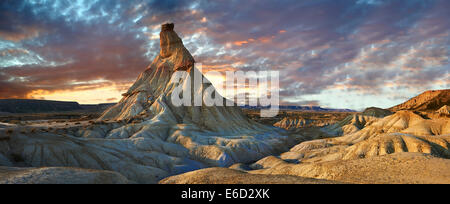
[[400, 148]]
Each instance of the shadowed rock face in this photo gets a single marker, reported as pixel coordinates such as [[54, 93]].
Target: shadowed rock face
[[36, 106], [376, 112], [59, 175], [146, 137]]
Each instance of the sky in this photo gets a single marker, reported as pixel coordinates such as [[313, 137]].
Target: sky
[[338, 54]]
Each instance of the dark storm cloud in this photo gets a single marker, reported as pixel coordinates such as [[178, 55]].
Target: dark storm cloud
[[315, 44]]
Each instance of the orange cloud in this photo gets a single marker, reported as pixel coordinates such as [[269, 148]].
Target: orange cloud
[[240, 43], [266, 39]]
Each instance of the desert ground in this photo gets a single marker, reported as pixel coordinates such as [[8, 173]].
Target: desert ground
[[145, 138]]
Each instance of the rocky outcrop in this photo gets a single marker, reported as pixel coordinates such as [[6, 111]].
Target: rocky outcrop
[[400, 148], [356, 122], [403, 131], [376, 112], [350, 124], [445, 110], [427, 101], [292, 123]]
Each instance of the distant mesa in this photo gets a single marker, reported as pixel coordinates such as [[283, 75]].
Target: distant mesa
[[429, 101], [46, 106], [36, 106], [302, 108]]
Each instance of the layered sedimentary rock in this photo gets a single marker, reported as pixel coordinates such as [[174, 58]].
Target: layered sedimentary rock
[[146, 137], [356, 122], [445, 110], [403, 131], [292, 123], [400, 148], [427, 101]]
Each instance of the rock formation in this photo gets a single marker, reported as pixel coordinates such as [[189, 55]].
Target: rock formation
[[403, 131], [427, 101], [145, 137], [411, 148], [356, 122], [375, 146], [376, 112], [292, 123], [445, 110]]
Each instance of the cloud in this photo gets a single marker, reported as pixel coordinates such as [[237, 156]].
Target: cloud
[[371, 47]]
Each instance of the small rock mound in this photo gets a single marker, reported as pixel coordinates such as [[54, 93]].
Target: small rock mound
[[444, 110], [376, 112], [292, 123]]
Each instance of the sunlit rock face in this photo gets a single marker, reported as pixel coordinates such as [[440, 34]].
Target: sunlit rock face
[[400, 148], [356, 122], [444, 110], [145, 137], [430, 100], [292, 123], [403, 147], [403, 131]]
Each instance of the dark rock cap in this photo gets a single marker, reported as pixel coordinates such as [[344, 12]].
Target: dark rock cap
[[167, 27]]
